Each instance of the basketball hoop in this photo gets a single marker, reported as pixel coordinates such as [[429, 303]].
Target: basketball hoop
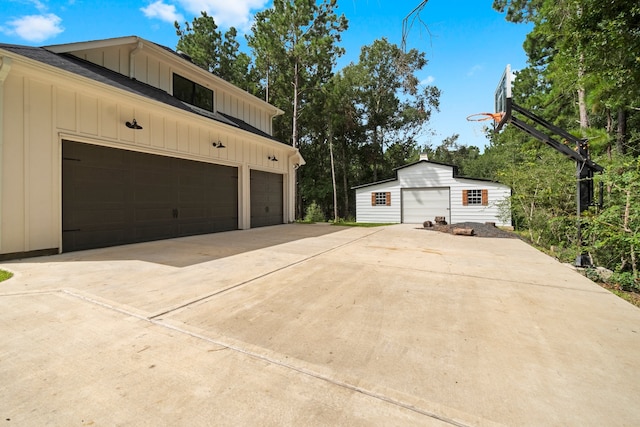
[[481, 117]]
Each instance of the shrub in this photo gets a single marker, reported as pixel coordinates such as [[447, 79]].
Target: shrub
[[314, 213], [625, 281]]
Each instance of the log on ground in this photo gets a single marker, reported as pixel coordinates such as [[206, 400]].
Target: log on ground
[[463, 231]]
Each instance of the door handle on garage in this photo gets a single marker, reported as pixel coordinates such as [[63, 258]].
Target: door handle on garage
[[175, 213]]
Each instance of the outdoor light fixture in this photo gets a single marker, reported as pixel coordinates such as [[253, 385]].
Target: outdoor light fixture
[[133, 125], [272, 158], [218, 144]]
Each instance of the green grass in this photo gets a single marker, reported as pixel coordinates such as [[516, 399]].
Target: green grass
[[5, 275]]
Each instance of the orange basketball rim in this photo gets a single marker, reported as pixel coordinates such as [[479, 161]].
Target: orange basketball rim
[[481, 117]]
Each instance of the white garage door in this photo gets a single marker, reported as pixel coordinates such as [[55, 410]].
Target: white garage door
[[424, 204]]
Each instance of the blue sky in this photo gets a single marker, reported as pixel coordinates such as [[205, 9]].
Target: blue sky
[[467, 44]]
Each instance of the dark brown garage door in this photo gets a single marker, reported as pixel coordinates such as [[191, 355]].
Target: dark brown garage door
[[266, 199], [114, 197]]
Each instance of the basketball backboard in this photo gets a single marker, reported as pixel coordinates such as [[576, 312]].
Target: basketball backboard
[[503, 97]]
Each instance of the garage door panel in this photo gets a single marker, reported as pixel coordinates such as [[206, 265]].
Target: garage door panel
[[224, 224], [100, 194], [89, 239], [149, 232], [108, 159], [113, 197], [104, 185], [424, 204], [195, 228], [144, 178], [266, 199], [109, 216], [149, 163], [99, 175], [157, 214]]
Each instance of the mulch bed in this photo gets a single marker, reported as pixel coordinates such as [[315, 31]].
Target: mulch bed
[[479, 230]]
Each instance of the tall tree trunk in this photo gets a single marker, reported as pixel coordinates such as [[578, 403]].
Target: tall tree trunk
[[582, 99], [333, 175], [621, 132], [294, 124], [345, 188], [374, 156], [294, 138], [266, 91], [609, 129]]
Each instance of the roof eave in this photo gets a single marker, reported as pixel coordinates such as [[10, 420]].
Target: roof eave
[[92, 44]]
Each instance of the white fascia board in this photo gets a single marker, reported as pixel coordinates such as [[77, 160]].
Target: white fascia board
[[92, 44]]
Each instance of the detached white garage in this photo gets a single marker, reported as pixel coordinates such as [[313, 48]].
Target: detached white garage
[[424, 190]]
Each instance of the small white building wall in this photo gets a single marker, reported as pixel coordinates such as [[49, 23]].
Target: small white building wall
[[152, 70], [497, 194], [432, 175], [43, 105], [425, 175], [365, 212]]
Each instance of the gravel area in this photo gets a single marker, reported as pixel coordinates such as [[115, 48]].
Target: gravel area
[[479, 230]]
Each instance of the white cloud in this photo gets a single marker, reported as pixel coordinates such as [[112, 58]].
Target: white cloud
[[36, 28], [474, 69], [162, 11], [39, 5], [428, 80], [227, 13]]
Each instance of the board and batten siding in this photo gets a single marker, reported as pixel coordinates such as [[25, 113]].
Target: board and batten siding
[[367, 212], [41, 108], [148, 68]]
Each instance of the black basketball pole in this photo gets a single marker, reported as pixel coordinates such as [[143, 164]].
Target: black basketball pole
[[585, 167]]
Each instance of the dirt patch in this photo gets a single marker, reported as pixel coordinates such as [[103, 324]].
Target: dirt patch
[[479, 230]]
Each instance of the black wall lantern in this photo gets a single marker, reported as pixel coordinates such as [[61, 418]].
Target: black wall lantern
[[133, 125]]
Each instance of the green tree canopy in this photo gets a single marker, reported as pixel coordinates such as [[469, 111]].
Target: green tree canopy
[[216, 52]]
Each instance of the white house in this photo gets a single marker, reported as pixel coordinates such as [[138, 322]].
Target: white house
[[117, 141], [424, 190]]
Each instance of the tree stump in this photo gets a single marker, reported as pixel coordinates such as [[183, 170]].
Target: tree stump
[[440, 220]]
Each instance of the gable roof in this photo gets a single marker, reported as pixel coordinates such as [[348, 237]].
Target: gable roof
[[454, 174], [167, 53], [83, 68]]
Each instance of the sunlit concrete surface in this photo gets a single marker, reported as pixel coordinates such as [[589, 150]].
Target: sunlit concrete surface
[[315, 325]]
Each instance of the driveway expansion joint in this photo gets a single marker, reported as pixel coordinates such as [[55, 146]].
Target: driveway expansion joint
[[260, 276], [256, 355]]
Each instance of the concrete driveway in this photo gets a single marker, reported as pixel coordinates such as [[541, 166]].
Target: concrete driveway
[[315, 325]]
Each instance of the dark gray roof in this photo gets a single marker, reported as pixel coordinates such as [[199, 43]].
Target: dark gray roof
[[75, 65]]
